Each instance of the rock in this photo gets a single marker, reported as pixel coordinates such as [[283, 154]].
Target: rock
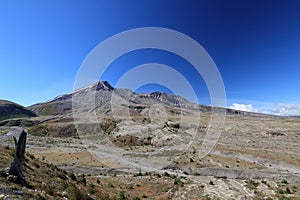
[[172, 124]]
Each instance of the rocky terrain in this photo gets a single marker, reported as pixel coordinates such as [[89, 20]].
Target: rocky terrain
[[150, 146]]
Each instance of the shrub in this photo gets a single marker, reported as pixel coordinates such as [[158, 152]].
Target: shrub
[[92, 189], [82, 179], [177, 181], [166, 174], [109, 126], [75, 194], [122, 196], [61, 175], [38, 130], [110, 185], [72, 176], [252, 184], [50, 190], [36, 165], [27, 123], [288, 191], [284, 198], [31, 156], [266, 183]]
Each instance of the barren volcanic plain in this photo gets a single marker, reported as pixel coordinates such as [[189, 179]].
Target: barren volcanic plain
[[148, 146]]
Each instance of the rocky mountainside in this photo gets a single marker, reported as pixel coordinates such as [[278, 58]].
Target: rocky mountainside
[[101, 96], [103, 92], [12, 110]]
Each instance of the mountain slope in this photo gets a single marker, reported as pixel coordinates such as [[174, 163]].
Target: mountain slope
[[104, 99], [102, 94], [12, 110]]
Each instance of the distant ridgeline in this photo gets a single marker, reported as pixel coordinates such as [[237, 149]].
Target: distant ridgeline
[[12, 110]]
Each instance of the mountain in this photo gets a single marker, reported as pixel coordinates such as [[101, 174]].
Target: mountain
[[12, 110], [100, 96], [103, 94]]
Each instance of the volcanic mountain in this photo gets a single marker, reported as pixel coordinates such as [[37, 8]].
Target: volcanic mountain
[[101, 93], [103, 98]]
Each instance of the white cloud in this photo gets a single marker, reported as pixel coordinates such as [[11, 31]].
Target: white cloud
[[287, 110], [243, 107]]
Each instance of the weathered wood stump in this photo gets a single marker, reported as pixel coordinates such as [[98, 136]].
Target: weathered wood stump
[[16, 167]]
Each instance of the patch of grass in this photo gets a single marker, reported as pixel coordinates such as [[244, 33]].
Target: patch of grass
[[81, 179], [286, 191], [13, 123], [91, 189], [75, 194], [38, 130], [61, 175], [50, 190], [284, 198], [27, 123], [109, 126], [110, 185], [177, 181], [252, 184], [30, 156], [122, 196]]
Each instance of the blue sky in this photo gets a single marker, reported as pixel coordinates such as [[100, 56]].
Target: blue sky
[[255, 45]]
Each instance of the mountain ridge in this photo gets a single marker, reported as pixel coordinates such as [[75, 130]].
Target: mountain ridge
[[102, 91], [10, 109]]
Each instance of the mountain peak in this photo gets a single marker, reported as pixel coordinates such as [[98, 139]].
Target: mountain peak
[[102, 86]]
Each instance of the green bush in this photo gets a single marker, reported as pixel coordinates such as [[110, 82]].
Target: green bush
[[177, 181], [38, 130], [50, 190], [82, 179], [75, 194], [122, 196], [252, 184]]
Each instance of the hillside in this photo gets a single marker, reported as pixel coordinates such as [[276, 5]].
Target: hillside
[[12, 110], [45, 181]]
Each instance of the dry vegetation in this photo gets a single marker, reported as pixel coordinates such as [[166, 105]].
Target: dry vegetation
[[255, 158]]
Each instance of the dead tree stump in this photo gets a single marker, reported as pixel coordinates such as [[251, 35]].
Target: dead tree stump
[[17, 164]]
